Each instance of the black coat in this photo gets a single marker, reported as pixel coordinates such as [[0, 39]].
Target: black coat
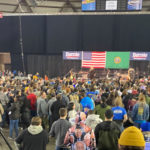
[[25, 110], [107, 134], [14, 111], [55, 109]]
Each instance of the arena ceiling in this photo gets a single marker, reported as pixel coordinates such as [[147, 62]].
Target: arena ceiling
[[39, 6], [47, 6]]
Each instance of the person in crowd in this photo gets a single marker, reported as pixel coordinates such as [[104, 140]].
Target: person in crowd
[[107, 133], [36, 90], [120, 114], [50, 103], [56, 106], [25, 111], [11, 98], [92, 93], [80, 136], [106, 92], [32, 98], [131, 104], [65, 98], [134, 90], [92, 120], [59, 129], [101, 108], [87, 104], [1, 112], [21, 96], [111, 98], [71, 112], [126, 96], [4, 101], [147, 98], [131, 139], [140, 113], [34, 137], [42, 109], [75, 98], [92, 73], [14, 116]]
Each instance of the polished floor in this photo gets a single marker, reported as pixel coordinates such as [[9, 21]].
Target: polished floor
[[3, 145]]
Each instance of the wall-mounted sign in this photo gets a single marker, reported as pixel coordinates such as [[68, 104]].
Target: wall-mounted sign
[[135, 4], [111, 5], [72, 55], [139, 56], [88, 5]]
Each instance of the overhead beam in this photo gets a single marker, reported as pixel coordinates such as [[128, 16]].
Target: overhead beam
[[53, 6], [58, 0], [62, 1], [27, 5], [23, 3], [8, 4], [68, 3], [6, 11], [16, 8]]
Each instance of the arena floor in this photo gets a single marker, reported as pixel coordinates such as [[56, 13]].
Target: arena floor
[[3, 146]]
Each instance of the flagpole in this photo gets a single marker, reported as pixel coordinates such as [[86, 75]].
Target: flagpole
[[81, 61]]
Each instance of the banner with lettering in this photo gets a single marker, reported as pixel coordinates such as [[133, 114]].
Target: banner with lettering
[[111, 5], [72, 55], [135, 4], [140, 56], [88, 5]]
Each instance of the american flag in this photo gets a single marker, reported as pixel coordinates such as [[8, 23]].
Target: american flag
[[93, 59]]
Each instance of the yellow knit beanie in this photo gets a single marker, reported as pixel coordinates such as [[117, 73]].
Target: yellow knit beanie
[[132, 136]]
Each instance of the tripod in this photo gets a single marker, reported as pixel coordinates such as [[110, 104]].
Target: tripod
[[1, 134]]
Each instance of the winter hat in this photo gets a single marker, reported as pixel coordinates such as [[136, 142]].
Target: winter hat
[[132, 136]]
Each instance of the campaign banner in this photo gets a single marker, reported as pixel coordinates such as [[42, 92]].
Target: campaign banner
[[88, 5], [135, 4], [140, 56], [72, 55]]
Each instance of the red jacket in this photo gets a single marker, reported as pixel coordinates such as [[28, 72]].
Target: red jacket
[[32, 98]]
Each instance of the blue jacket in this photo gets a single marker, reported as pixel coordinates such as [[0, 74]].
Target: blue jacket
[[87, 102], [140, 113]]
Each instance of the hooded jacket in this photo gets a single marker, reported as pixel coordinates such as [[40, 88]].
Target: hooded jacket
[[101, 109], [92, 121], [33, 138], [107, 134]]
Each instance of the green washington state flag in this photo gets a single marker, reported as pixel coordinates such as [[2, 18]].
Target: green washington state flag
[[117, 60]]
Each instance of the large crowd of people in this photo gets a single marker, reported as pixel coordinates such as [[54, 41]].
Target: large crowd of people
[[81, 114]]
